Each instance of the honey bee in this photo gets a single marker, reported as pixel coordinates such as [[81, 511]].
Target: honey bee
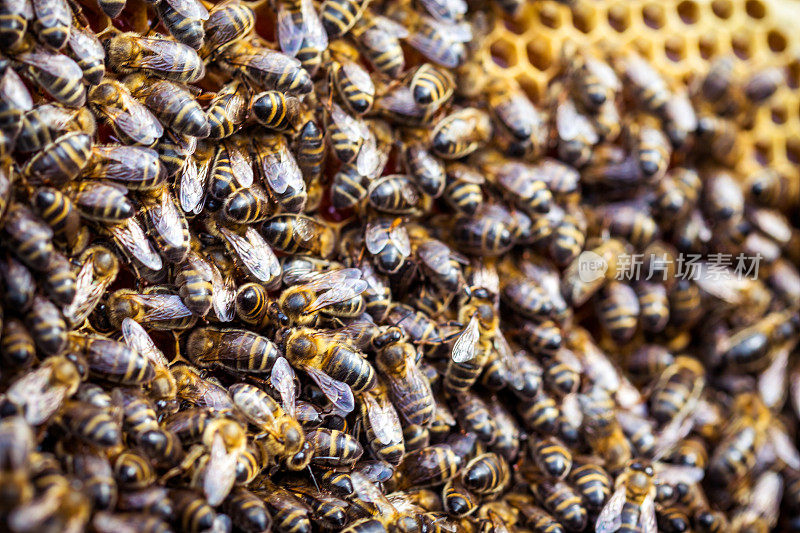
[[229, 171], [517, 116], [769, 187], [174, 105], [442, 42], [184, 20], [227, 110], [132, 470], [17, 101], [40, 393], [723, 199], [680, 119], [94, 471], [484, 235], [233, 349], [518, 181], [429, 466], [562, 502], [252, 252], [618, 310], [576, 134], [55, 73], [45, 123], [430, 86], [46, 325], [762, 84], [460, 133], [463, 191], [388, 241], [132, 121], [28, 237], [130, 53], [632, 503], [101, 202], [592, 481], [227, 23], [394, 194], [379, 40], [61, 160], [341, 364], [17, 347], [92, 425], [154, 309], [280, 172], [247, 511], [646, 84], [352, 83], [14, 17], [752, 348], [352, 140], [88, 52], [99, 267], [51, 23], [594, 81], [59, 281], [408, 388], [653, 151], [471, 349], [275, 110], [112, 360], [526, 297], [215, 473], [339, 16], [310, 150], [265, 68], [427, 170], [382, 424], [333, 448], [191, 510]]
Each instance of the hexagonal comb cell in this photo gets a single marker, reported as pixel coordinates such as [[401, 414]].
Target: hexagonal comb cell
[[681, 38]]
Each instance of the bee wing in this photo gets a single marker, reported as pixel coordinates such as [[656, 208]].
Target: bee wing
[[568, 120], [136, 120], [266, 60], [224, 295], [342, 293], [331, 279], [33, 391], [220, 472], [33, 514], [165, 55], [506, 355], [162, 306], [281, 170], [383, 419], [446, 10], [200, 265], [369, 157], [610, 518], [571, 410], [359, 77], [375, 237], [138, 339], [255, 253], [782, 447], [389, 27], [673, 474], [398, 235], [240, 165], [350, 126], [192, 187], [604, 73], [55, 64], [459, 33], [133, 239], [290, 35], [433, 49], [337, 392], [401, 101], [88, 292], [464, 347], [648, 516], [168, 221], [675, 430], [794, 391], [190, 9], [436, 256], [765, 497], [772, 381], [282, 378]]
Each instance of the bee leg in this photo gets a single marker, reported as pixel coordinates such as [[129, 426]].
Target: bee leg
[[195, 452]]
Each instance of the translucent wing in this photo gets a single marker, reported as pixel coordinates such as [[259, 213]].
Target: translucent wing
[[162, 306], [568, 120], [253, 406], [772, 381], [464, 347], [168, 221], [348, 289], [390, 27], [648, 516], [266, 60], [224, 295], [254, 252], [281, 170], [375, 237], [34, 392], [401, 101], [783, 447], [359, 77], [137, 338], [368, 157], [459, 33], [282, 378], [349, 125], [436, 256], [675, 430], [133, 239], [220, 472], [88, 292], [446, 10], [610, 518], [604, 73], [290, 35], [398, 235], [337, 392], [571, 410], [166, 55], [240, 165], [674, 474], [191, 9], [55, 64], [440, 44], [383, 419], [506, 355], [765, 497], [191, 188], [135, 121]]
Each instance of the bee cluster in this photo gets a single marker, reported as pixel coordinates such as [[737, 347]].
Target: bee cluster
[[300, 266]]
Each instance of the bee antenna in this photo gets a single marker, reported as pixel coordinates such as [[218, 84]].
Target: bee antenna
[[313, 478]]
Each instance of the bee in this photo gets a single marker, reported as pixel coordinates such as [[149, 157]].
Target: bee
[[517, 116], [59, 281], [94, 471], [471, 349], [310, 150], [486, 474], [289, 513], [106, 522], [592, 481], [52, 21], [431, 86], [718, 137], [653, 304], [99, 268], [40, 393], [334, 293], [483, 235], [46, 325], [339, 16], [276, 110], [379, 40], [230, 171], [594, 82], [752, 348], [429, 466], [458, 501], [442, 42], [677, 193], [460, 133], [723, 199], [653, 151], [685, 303], [17, 347], [349, 188], [61, 160], [645, 83], [352, 83], [769, 187], [538, 410], [576, 134], [632, 503], [132, 470], [562, 502], [463, 189], [618, 310], [680, 119], [61, 214], [265, 68], [426, 169], [215, 473], [154, 308], [604, 433], [227, 23], [349, 138], [14, 17], [333, 448], [247, 511], [132, 121], [194, 279], [442, 265], [232, 349], [87, 51], [184, 20], [382, 424], [394, 194], [280, 172], [227, 110], [517, 181], [342, 365], [252, 252], [191, 511], [541, 338], [130, 53], [112, 360], [719, 79], [99, 201], [174, 105], [16, 103], [92, 425], [677, 390], [762, 84], [28, 237], [388, 241], [246, 206], [562, 373], [526, 297]]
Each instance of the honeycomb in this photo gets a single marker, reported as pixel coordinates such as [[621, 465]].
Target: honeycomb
[[681, 38]]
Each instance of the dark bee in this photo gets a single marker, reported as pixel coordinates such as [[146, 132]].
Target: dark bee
[[133, 470], [184, 20], [47, 326], [14, 17], [52, 22], [265, 68], [154, 309], [191, 511], [129, 53], [592, 481], [379, 39], [112, 360], [486, 474], [431, 86], [227, 110], [763, 84], [339, 16], [652, 150], [280, 172], [561, 500], [388, 241], [464, 191], [17, 348], [227, 23], [172, 104], [310, 150], [482, 235], [618, 310], [93, 425], [576, 134], [28, 237], [276, 110], [131, 120], [654, 305], [247, 511], [352, 82], [301, 33], [233, 349], [59, 281], [101, 201], [432, 465], [333, 448], [645, 83], [45, 123], [61, 160], [539, 413], [88, 52], [461, 133]]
